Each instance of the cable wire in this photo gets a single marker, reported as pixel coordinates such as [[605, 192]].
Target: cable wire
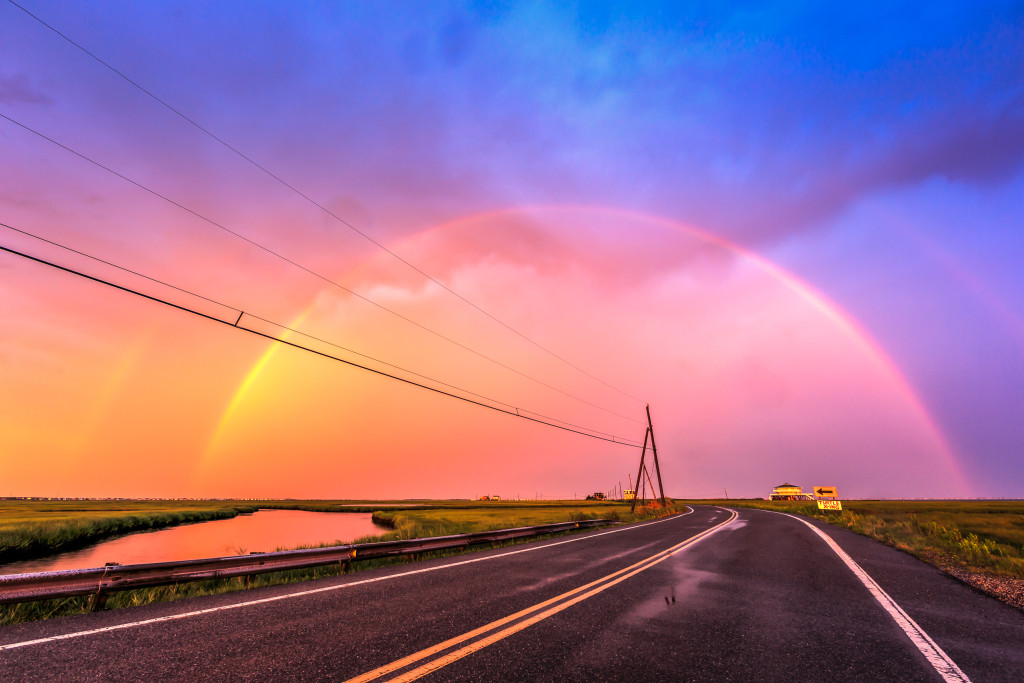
[[186, 309], [315, 274], [317, 204], [296, 331]]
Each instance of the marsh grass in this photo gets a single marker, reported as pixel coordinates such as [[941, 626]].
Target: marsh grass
[[34, 530], [419, 523], [442, 522]]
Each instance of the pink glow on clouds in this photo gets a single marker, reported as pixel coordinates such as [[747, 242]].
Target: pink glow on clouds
[[754, 376]]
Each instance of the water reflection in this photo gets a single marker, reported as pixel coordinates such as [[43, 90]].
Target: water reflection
[[262, 531]]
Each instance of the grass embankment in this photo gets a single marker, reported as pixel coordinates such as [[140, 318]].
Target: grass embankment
[[451, 520], [433, 518], [979, 542]]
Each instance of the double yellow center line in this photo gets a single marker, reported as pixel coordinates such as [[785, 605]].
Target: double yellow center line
[[554, 606]]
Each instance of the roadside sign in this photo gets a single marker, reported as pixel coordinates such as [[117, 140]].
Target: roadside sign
[[830, 505], [826, 492]]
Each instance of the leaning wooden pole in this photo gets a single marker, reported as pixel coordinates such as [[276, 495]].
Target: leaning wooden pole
[[636, 491], [654, 450]]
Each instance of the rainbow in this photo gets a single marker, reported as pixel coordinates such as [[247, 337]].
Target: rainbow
[[807, 293]]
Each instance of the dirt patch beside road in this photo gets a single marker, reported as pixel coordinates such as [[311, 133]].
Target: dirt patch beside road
[[1006, 588]]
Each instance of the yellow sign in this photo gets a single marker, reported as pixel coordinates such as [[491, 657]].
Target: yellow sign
[[830, 505], [826, 492]]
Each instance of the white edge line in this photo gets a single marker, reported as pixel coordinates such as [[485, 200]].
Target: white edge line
[[312, 591], [935, 655]]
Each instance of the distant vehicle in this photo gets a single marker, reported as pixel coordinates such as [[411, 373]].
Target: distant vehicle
[[485, 497], [495, 497], [629, 494], [596, 496]]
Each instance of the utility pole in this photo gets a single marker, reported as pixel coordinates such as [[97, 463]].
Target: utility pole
[[657, 465], [654, 449]]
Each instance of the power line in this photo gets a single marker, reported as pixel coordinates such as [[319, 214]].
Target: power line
[[513, 413], [293, 330], [315, 274], [319, 205]]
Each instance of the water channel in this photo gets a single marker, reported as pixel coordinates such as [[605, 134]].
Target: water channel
[[261, 531]]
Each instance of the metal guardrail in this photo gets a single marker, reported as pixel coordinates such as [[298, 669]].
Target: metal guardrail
[[101, 581]]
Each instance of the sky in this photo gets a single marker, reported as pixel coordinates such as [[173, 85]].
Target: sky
[[792, 229]]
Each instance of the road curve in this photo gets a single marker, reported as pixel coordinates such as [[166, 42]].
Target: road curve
[[715, 594]]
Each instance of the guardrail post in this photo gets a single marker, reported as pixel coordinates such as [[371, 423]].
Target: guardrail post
[[250, 577], [98, 600], [344, 563]]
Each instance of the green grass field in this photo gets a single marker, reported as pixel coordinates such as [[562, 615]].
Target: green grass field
[[449, 520]]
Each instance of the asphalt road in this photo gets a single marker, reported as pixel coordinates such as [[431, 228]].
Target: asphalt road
[[707, 596]]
